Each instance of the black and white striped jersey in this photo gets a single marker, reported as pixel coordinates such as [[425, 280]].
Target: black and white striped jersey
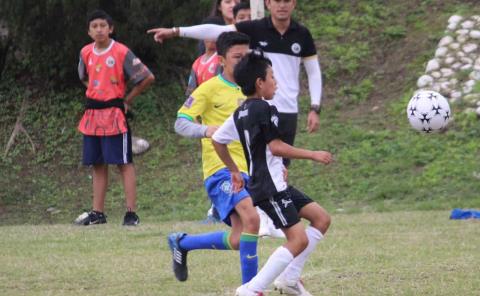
[[255, 124], [286, 53]]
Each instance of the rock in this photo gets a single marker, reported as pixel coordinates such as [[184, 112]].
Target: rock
[[462, 32], [432, 65], [456, 66], [436, 74], [454, 46], [462, 38], [456, 95], [475, 75], [468, 24], [441, 52], [471, 83], [445, 41], [139, 145], [466, 67], [471, 47], [453, 82], [478, 111], [475, 34], [460, 54], [450, 60], [466, 60], [424, 81], [446, 72], [467, 89], [455, 19]]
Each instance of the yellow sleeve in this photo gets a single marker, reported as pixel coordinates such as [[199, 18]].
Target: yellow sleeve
[[195, 105]]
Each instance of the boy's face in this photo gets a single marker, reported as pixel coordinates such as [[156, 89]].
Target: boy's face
[[268, 86], [99, 30], [281, 10], [233, 56], [243, 15]]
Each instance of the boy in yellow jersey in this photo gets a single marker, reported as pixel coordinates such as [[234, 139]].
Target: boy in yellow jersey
[[213, 102]]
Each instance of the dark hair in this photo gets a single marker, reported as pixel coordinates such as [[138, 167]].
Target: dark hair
[[240, 6], [215, 9], [251, 67], [227, 40], [99, 14]]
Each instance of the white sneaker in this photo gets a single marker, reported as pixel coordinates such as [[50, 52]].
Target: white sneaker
[[295, 289], [243, 290]]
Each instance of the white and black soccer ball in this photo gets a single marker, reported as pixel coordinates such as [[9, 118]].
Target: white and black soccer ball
[[428, 111]]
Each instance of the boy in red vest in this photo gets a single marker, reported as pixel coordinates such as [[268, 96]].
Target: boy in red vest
[[105, 67]]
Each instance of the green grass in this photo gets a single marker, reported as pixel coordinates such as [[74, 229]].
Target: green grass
[[402, 253]]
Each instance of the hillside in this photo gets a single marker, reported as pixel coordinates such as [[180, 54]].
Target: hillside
[[371, 52]]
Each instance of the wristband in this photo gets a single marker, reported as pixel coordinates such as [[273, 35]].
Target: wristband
[[316, 108]]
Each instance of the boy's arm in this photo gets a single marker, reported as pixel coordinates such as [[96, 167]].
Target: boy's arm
[[82, 72], [282, 149], [223, 136], [201, 32], [189, 129], [314, 74], [237, 179], [138, 89], [137, 73]]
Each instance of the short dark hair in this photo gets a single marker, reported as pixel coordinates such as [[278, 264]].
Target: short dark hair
[[251, 67], [99, 14], [227, 40], [240, 6]]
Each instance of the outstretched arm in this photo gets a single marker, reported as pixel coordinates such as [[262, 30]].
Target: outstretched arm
[[190, 129], [314, 74], [201, 32], [282, 149]]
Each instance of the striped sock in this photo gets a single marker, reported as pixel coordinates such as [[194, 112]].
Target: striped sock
[[212, 240]]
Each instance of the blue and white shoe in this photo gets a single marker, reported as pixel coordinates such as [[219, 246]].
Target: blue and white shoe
[[179, 256]]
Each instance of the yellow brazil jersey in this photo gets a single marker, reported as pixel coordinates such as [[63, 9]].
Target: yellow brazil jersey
[[213, 102]]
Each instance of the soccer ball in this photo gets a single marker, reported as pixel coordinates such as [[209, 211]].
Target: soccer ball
[[428, 111]]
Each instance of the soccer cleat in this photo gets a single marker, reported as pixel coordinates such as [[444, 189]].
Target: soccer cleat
[[91, 218], [131, 219], [286, 288], [179, 256], [243, 290]]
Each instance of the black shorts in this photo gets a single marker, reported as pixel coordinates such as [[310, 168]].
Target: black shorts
[[283, 207]]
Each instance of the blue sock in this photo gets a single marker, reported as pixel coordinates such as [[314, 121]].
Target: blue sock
[[248, 256], [212, 240]]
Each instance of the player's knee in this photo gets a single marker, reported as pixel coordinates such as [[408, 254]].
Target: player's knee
[[299, 244], [252, 223], [322, 222]]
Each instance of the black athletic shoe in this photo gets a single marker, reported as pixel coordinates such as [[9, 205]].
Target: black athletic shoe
[[179, 256], [131, 219], [91, 218]]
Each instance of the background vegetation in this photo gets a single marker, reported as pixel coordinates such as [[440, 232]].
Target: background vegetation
[[371, 54]]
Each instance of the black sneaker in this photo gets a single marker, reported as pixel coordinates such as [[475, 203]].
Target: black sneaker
[[91, 218], [179, 256], [131, 219]]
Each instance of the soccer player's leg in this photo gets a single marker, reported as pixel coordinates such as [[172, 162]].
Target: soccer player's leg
[[289, 281], [248, 239]]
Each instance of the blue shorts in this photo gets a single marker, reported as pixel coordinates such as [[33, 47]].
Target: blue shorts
[[107, 149], [219, 190]]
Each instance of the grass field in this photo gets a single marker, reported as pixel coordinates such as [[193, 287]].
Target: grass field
[[401, 253]]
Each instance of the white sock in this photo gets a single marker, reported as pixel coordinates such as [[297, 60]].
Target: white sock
[[276, 263], [294, 270]]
